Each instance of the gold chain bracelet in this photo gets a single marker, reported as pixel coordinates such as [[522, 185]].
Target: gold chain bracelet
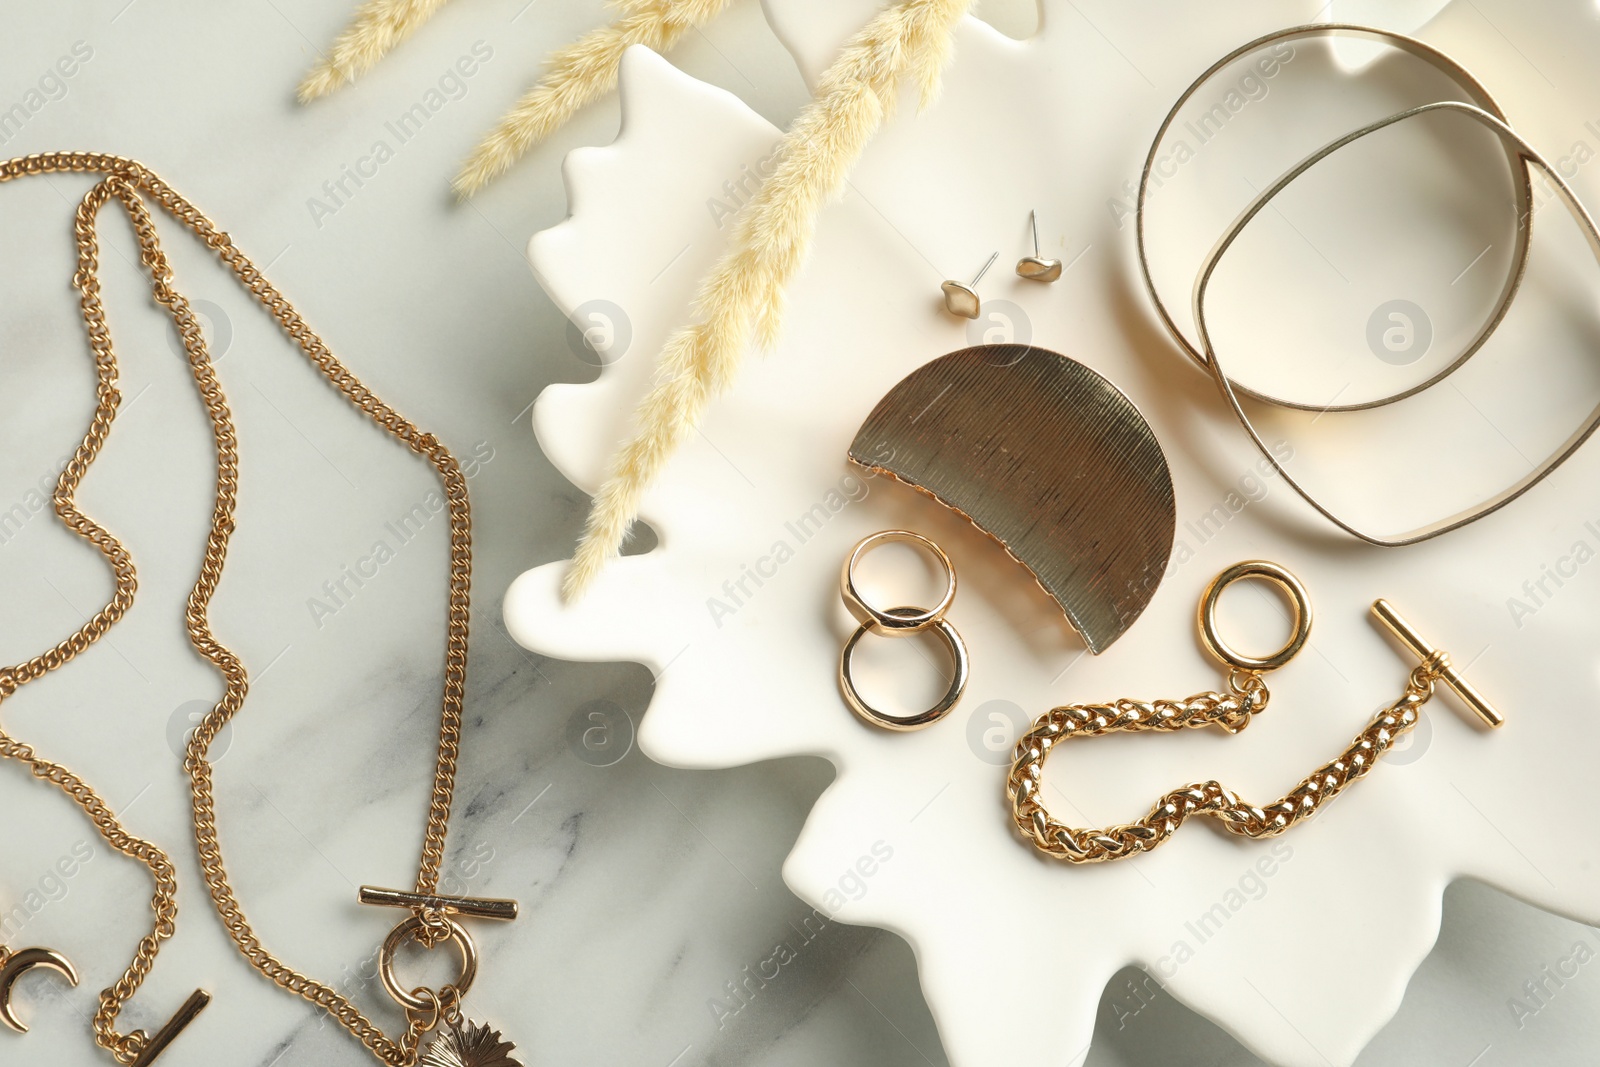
[[1232, 711]]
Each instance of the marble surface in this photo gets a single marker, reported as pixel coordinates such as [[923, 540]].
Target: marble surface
[[646, 891]]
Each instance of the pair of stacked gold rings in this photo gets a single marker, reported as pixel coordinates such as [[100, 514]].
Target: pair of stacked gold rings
[[907, 621], [900, 622]]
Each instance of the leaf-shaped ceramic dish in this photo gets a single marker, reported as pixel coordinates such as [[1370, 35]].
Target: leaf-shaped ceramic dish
[[1303, 947]]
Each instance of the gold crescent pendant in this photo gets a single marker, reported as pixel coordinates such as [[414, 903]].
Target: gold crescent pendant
[[1071, 482], [14, 965]]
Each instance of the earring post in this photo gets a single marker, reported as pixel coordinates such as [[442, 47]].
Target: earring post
[[979, 276]]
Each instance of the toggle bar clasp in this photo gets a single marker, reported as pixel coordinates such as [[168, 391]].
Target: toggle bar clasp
[[475, 907], [163, 1039], [1397, 625]]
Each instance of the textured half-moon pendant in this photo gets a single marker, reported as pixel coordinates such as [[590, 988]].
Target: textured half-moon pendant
[[1046, 457], [469, 1044]]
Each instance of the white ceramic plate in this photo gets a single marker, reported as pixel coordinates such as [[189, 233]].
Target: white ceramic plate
[[1301, 947]]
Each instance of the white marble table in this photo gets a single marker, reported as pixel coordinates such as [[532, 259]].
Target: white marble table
[[646, 891]]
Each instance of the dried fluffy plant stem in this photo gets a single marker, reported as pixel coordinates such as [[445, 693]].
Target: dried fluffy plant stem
[[578, 75], [378, 26], [907, 41]]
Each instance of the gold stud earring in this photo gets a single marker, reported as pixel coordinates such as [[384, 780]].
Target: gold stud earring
[[962, 300], [1034, 267]]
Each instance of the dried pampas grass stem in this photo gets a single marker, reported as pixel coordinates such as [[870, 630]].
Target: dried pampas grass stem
[[907, 42], [578, 75], [379, 25]]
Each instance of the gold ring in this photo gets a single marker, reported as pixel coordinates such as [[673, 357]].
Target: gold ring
[[900, 621], [408, 931], [1298, 601], [874, 717]]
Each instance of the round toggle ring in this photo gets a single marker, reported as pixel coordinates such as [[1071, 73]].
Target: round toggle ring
[[899, 621], [874, 717], [409, 931], [1299, 602]]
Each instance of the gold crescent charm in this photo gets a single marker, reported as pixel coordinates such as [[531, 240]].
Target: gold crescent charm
[[16, 964]]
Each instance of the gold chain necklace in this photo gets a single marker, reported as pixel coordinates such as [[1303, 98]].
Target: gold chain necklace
[[434, 918], [138, 1048]]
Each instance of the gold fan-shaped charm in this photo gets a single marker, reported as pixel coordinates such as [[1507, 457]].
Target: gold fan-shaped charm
[[470, 1044]]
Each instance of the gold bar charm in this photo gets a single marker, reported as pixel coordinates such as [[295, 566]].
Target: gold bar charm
[[478, 908], [1423, 650], [192, 1007]]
